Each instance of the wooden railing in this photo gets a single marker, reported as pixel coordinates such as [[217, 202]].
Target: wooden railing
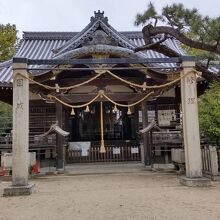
[[170, 137], [162, 142], [210, 161], [114, 153], [39, 123], [34, 142]]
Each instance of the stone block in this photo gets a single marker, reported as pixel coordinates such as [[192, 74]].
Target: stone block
[[195, 182], [19, 190]]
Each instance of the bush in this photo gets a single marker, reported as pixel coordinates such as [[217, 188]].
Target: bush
[[209, 113]]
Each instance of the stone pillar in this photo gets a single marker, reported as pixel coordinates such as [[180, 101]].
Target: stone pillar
[[146, 145], [20, 158], [191, 133]]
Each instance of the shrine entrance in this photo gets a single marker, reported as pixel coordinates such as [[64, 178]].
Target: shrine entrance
[[85, 125], [119, 131], [100, 109], [98, 86]]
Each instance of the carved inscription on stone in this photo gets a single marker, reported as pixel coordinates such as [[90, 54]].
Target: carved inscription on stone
[[190, 80], [20, 82], [191, 101], [20, 105]]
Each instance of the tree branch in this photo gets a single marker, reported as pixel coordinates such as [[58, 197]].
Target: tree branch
[[151, 45], [149, 31], [206, 74]]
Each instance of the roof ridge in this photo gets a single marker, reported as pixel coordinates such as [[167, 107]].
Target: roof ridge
[[6, 63], [92, 24], [67, 35], [99, 20], [47, 35]]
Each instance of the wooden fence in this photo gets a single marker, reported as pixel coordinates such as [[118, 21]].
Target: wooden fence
[[210, 161], [114, 153]]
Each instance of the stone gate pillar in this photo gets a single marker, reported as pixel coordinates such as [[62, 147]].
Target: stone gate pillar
[[191, 133], [20, 158]]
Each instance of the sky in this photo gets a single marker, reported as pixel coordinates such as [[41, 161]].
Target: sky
[[74, 15]]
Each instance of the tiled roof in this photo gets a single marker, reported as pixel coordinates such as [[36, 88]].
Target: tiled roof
[[47, 45]]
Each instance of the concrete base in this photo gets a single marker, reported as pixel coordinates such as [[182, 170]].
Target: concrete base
[[216, 178], [195, 182], [19, 190], [212, 177], [60, 171], [168, 166], [148, 168]]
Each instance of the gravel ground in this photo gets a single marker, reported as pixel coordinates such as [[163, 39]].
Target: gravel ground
[[119, 196]]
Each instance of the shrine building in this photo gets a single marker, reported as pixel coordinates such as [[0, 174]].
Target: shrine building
[[92, 98]]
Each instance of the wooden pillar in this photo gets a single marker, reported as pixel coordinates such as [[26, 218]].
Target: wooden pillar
[[136, 121], [59, 138], [20, 148], [146, 144], [191, 133]]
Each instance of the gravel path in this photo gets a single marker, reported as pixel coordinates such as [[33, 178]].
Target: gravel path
[[119, 196]]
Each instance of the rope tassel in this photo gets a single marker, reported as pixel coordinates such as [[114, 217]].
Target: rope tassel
[[72, 112], [87, 109], [102, 148], [115, 109], [129, 111]]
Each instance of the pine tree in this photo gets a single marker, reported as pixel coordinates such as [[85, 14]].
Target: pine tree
[[200, 35]]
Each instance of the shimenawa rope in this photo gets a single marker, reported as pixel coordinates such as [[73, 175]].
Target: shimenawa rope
[[113, 75]]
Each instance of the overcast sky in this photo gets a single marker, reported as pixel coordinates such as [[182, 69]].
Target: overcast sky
[[73, 15]]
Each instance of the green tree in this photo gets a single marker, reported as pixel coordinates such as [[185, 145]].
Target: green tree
[[199, 34], [5, 118], [209, 112], [5, 110], [8, 39]]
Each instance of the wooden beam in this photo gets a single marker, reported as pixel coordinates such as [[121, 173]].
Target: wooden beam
[[105, 61], [136, 120], [100, 81], [79, 98]]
